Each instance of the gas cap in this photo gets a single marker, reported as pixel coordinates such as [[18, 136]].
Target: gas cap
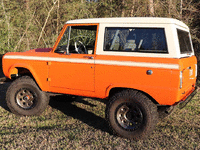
[[149, 72]]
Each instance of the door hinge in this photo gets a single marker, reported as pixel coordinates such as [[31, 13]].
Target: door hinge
[[48, 63], [48, 79]]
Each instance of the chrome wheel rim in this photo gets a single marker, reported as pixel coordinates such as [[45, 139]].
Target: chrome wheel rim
[[129, 116], [25, 98]]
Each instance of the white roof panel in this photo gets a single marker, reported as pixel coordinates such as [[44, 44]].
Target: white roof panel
[[130, 20]]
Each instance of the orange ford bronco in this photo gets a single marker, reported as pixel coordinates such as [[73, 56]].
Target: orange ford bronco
[[142, 66]]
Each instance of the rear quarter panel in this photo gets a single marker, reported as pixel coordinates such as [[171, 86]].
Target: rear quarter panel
[[119, 71]]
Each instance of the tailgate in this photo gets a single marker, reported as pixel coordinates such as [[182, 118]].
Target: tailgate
[[188, 72]]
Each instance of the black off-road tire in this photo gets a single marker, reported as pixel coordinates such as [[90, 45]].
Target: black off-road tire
[[24, 97], [131, 114]]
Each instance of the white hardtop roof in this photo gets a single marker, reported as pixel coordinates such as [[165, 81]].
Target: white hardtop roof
[[129, 20]]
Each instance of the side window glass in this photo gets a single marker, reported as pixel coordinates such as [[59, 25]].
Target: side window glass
[[148, 40], [184, 41], [82, 39], [79, 39]]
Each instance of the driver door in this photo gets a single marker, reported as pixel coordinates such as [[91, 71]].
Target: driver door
[[72, 65]]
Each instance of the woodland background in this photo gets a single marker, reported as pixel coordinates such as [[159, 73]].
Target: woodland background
[[28, 24]]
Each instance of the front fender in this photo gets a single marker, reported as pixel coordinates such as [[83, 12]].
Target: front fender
[[14, 70]]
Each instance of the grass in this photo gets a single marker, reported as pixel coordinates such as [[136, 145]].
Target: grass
[[81, 125]]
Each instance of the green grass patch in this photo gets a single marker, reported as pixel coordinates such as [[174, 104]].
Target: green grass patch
[[81, 125]]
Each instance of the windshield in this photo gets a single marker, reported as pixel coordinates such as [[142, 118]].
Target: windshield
[[64, 44], [184, 41]]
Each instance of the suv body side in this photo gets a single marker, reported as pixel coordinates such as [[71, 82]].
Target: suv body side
[[172, 75]]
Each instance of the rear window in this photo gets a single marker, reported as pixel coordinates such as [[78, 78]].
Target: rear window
[[184, 41], [146, 40]]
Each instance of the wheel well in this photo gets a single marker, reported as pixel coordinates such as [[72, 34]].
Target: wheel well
[[116, 90], [22, 72]]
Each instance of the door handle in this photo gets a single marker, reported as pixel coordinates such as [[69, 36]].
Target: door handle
[[89, 57]]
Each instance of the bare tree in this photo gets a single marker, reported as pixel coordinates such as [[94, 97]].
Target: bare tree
[[151, 7], [27, 4], [123, 9], [27, 23], [132, 9], [170, 6], [181, 7], [58, 18], [48, 15]]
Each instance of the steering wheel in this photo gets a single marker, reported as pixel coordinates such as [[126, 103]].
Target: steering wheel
[[79, 48]]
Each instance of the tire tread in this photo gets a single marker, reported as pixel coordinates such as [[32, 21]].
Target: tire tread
[[30, 81], [153, 113]]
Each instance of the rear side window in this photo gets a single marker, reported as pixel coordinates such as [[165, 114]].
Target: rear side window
[[146, 40], [184, 41]]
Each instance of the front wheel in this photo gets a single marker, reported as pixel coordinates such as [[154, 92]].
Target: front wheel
[[131, 114], [24, 97]]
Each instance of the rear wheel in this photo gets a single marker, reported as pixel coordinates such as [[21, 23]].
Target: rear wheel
[[131, 114], [24, 97]]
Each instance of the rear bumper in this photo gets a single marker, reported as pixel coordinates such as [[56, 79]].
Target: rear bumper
[[187, 99]]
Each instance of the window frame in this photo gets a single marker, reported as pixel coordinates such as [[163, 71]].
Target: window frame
[[71, 25]]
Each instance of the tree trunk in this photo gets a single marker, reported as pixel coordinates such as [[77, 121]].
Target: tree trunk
[[27, 4], [181, 7], [27, 13], [123, 9], [132, 9], [170, 6], [58, 18], [151, 8]]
